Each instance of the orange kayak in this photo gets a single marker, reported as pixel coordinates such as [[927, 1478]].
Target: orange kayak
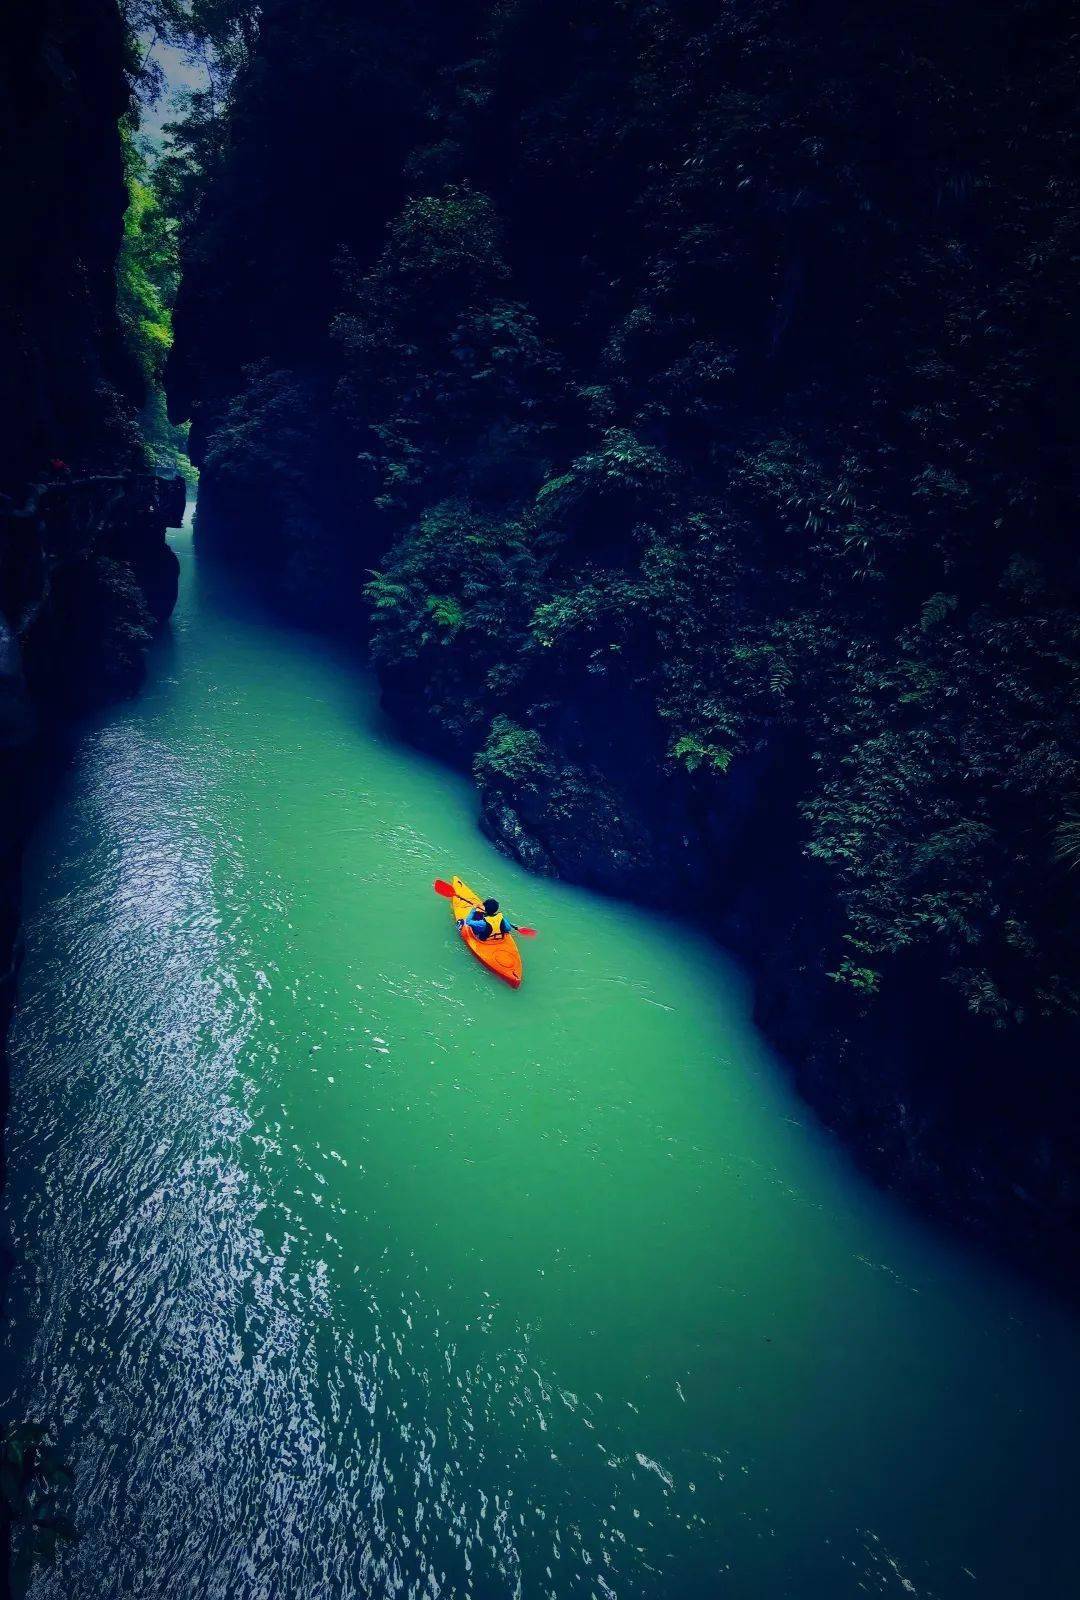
[[500, 956]]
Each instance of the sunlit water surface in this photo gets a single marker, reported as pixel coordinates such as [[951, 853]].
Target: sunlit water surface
[[345, 1270]]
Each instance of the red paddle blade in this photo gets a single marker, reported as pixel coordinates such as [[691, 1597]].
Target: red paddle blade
[[527, 933]]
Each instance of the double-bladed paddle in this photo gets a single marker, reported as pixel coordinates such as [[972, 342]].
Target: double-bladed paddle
[[448, 892]]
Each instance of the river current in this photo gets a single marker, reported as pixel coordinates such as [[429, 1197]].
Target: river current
[[344, 1270]]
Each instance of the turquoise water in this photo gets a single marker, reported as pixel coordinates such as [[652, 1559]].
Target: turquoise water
[[345, 1270]]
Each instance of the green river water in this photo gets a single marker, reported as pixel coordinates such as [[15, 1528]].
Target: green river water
[[345, 1270]]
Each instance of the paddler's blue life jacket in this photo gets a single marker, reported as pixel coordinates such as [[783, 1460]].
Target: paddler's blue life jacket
[[482, 927]]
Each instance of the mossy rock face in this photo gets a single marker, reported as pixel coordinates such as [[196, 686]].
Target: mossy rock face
[[100, 580], [565, 820], [504, 827]]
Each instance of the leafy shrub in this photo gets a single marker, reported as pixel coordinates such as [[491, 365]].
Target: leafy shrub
[[513, 757]]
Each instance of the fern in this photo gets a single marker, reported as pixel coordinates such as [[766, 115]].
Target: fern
[[554, 486], [780, 674], [446, 613], [935, 610], [382, 593], [694, 753], [1067, 840]]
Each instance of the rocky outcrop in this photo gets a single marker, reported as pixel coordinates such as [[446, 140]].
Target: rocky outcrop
[[85, 577]]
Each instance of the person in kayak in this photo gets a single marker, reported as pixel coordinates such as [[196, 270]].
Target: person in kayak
[[487, 922]]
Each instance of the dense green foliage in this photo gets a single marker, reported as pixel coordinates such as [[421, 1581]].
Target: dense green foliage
[[165, 179], [147, 270], [147, 278], [712, 377]]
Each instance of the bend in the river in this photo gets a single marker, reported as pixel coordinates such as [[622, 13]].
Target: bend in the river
[[345, 1270]]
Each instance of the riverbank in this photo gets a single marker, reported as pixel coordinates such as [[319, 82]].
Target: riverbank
[[930, 1104], [86, 579]]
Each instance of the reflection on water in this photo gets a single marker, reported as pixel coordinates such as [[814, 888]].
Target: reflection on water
[[345, 1271]]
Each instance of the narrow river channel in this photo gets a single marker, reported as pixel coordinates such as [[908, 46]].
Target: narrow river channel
[[346, 1271]]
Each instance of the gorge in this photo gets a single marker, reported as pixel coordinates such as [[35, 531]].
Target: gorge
[[672, 406]]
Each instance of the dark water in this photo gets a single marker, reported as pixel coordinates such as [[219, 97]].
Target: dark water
[[346, 1271]]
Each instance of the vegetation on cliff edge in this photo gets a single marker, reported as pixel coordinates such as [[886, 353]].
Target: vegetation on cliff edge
[[709, 362]]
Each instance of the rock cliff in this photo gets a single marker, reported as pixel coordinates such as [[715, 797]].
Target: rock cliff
[[86, 575]]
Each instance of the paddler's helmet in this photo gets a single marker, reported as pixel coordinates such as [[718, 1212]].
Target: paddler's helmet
[[490, 907]]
